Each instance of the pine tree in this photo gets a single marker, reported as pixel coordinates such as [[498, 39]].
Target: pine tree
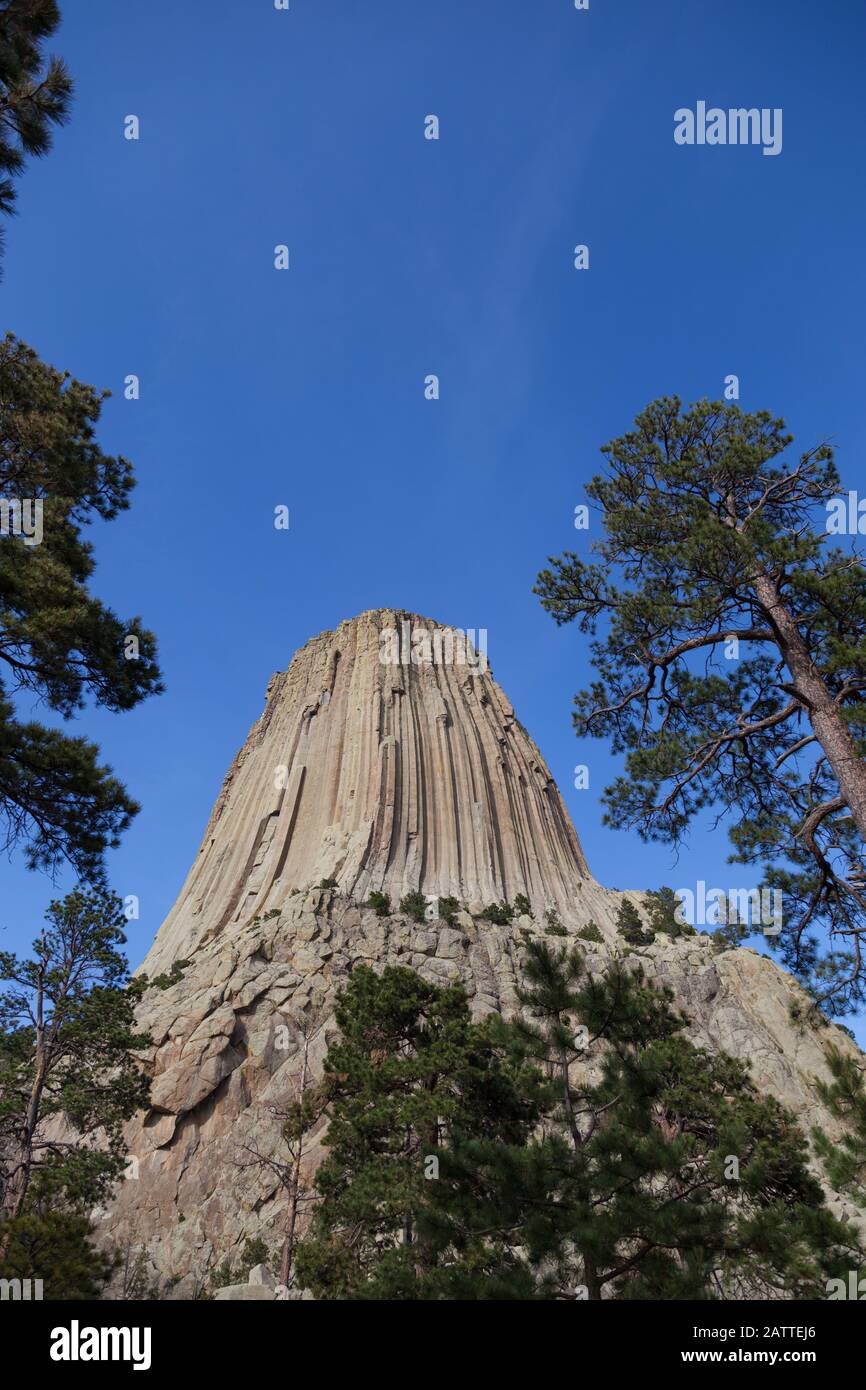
[[34, 94], [729, 648], [52, 1241], [380, 903], [845, 1097], [500, 914], [414, 904], [664, 912], [629, 924], [585, 1150], [591, 933], [68, 1072], [670, 1177], [58, 643], [448, 908], [420, 1194]]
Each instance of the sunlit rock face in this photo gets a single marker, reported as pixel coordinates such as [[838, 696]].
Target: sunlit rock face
[[386, 760]]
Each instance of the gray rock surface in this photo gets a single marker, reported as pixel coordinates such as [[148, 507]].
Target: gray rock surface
[[244, 1293]]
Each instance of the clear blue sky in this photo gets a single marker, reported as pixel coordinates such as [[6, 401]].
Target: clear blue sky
[[411, 257]]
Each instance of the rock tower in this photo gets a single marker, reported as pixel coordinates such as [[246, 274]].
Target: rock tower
[[386, 760]]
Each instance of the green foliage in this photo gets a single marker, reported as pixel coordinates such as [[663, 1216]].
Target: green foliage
[[302, 1115], [845, 1097], [414, 904], [553, 922], [710, 538], [137, 1280], [629, 924], [67, 1043], [729, 935], [254, 1252], [448, 909], [380, 903], [35, 92], [478, 1162], [522, 905], [500, 914], [52, 1241], [643, 1199], [416, 1085], [166, 979], [325, 883], [664, 912], [59, 644], [591, 933]]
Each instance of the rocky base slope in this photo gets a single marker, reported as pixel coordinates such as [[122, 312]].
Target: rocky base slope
[[225, 1053]]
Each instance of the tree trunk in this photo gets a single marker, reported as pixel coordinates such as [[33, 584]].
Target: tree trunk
[[16, 1188], [824, 714], [568, 1101], [590, 1275], [294, 1187], [590, 1272]]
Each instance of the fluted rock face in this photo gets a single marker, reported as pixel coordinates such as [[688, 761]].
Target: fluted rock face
[[389, 775], [388, 759]]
